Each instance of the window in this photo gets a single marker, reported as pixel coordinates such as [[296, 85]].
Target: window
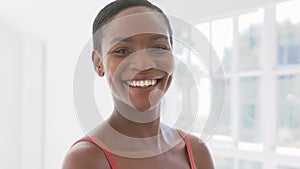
[[249, 40], [224, 163], [288, 32], [288, 111], [249, 122], [222, 39], [249, 165], [260, 53]]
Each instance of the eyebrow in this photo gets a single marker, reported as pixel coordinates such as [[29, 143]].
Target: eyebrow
[[121, 39], [130, 40], [157, 37]]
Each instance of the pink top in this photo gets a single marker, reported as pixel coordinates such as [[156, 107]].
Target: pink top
[[112, 161]]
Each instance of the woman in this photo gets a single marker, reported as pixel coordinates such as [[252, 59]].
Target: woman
[[133, 49]]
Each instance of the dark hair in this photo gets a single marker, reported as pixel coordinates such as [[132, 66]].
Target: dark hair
[[115, 7]]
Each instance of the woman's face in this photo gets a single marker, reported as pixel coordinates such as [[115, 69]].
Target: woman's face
[[137, 58]]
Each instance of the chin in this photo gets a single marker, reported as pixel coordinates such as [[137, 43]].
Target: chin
[[145, 107], [142, 108]]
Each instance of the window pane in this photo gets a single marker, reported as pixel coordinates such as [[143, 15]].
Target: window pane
[[224, 163], [249, 41], [288, 33], [249, 165], [249, 130], [204, 28], [181, 51], [222, 37], [224, 127], [288, 107]]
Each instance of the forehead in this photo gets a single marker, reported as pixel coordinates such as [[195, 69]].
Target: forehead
[[134, 21], [133, 10]]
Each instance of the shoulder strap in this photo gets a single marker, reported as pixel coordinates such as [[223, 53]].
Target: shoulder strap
[[189, 148], [112, 161]]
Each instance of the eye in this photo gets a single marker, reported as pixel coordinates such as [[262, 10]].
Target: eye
[[122, 51], [160, 49]]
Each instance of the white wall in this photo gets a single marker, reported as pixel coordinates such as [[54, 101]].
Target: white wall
[[21, 99], [64, 27], [10, 98]]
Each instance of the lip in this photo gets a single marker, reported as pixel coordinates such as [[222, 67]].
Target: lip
[[151, 74], [145, 89], [144, 77]]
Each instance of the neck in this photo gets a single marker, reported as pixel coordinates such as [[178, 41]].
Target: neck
[[123, 123]]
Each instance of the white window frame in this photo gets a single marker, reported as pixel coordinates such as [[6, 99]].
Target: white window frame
[[268, 154]]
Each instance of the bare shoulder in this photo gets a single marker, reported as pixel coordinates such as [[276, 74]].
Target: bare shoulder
[[202, 156], [85, 155]]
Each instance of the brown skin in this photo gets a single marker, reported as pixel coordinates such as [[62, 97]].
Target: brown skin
[[85, 155], [118, 67]]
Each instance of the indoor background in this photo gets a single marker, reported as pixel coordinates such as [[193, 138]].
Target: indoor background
[[258, 42]]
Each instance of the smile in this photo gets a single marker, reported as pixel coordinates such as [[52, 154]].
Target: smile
[[142, 83]]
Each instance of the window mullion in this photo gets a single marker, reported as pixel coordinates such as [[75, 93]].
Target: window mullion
[[268, 89], [234, 85]]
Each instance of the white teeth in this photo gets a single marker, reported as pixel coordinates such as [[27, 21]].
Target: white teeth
[[142, 83], [153, 82]]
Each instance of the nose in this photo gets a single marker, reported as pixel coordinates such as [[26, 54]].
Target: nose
[[142, 60]]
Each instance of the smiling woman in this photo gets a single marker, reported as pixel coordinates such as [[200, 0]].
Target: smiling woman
[[133, 49]]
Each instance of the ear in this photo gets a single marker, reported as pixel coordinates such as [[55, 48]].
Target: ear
[[97, 62]]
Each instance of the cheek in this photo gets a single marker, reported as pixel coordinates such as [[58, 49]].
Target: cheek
[[112, 68], [166, 64]]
